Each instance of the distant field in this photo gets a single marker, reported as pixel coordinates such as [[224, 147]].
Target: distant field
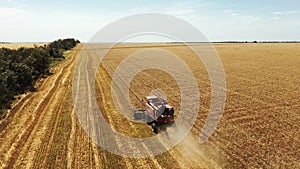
[[18, 45]]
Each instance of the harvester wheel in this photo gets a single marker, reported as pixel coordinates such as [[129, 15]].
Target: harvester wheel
[[154, 128]]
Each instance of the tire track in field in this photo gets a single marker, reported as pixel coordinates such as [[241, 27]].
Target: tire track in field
[[82, 141], [41, 139], [21, 105], [10, 115], [19, 143], [93, 156], [53, 125], [71, 142], [15, 129], [93, 129], [39, 111]]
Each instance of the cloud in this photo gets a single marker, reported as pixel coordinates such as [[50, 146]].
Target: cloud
[[276, 17], [251, 18], [278, 13], [182, 12], [228, 11], [9, 11], [181, 9], [292, 12], [191, 11], [231, 12], [286, 12], [245, 18]]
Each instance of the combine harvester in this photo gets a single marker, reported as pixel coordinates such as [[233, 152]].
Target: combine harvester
[[156, 112]]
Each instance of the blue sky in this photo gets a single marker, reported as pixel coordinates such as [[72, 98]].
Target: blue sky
[[218, 20]]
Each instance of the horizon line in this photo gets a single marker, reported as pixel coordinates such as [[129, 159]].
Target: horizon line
[[225, 41]]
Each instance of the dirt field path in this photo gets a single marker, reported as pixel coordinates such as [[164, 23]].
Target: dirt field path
[[32, 127]]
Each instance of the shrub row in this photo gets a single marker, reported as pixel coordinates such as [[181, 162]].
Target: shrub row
[[21, 68]]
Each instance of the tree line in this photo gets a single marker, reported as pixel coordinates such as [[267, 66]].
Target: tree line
[[21, 68]]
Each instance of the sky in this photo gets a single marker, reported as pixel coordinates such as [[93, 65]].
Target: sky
[[218, 20]]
